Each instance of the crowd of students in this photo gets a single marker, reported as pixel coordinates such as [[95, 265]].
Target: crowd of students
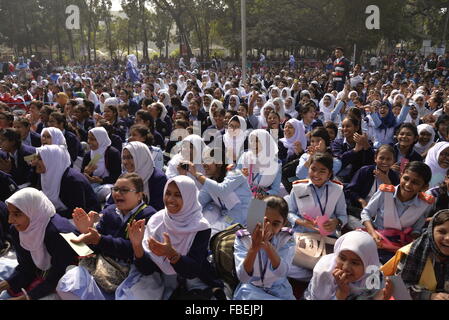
[[146, 172]]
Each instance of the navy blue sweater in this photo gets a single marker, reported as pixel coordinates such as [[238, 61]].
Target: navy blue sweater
[[412, 156], [114, 242], [113, 163], [362, 182], [62, 255], [76, 192], [23, 173]]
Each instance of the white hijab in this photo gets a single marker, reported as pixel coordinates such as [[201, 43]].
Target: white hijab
[[281, 111], [219, 105], [237, 102], [263, 124], [433, 155], [57, 137], [300, 135], [265, 162], [327, 110], [39, 209], [207, 108], [185, 101], [106, 97], [418, 146], [235, 143], [143, 162], [56, 161], [182, 227], [358, 242], [102, 137], [167, 101]]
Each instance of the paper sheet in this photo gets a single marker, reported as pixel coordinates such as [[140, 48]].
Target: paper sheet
[[81, 249]]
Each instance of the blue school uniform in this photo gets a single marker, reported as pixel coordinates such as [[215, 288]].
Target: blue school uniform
[[22, 172], [193, 269], [411, 156], [401, 215], [62, 255], [34, 139], [76, 192], [305, 198], [351, 161], [364, 184], [73, 145], [114, 243], [113, 164], [7, 186], [265, 283], [232, 197], [273, 189]]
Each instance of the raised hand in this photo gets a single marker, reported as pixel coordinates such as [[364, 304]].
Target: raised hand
[[136, 232], [92, 237], [162, 249], [82, 220]]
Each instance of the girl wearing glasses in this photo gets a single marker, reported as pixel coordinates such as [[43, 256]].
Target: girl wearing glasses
[[110, 237]]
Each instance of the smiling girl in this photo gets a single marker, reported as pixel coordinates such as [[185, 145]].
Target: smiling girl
[[263, 258], [404, 150], [425, 140]]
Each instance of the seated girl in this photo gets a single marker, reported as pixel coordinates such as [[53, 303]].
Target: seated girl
[[54, 136], [102, 165], [42, 253], [172, 248], [64, 186], [319, 143], [59, 120], [192, 148], [263, 258], [354, 150], [142, 134], [396, 215], [137, 158], [368, 179], [225, 190], [438, 161], [423, 264], [425, 140], [404, 151], [384, 123], [318, 198], [441, 194], [235, 139], [344, 275], [110, 237], [261, 165]]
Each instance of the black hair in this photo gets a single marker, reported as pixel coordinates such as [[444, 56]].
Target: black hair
[[144, 132], [59, 118], [137, 182], [441, 217], [420, 168], [219, 112], [13, 135], [331, 125], [219, 156], [385, 147], [355, 122], [411, 127], [279, 204], [233, 113], [321, 132], [325, 159], [90, 106], [441, 119]]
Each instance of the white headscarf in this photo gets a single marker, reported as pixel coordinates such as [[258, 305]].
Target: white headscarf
[[207, 108], [290, 111], [182, 227], [219, 105], [182, 84], [167, 101], [39, 209], [143, 162], [102, 137], [232, 143], [106, 97], [300, 135], [56, 161], [358, 242], [263, 124], [418, 146], [327, 110], [57, 137], [275, 89], [281, 111], [433, 155], [185, 101], [237, 102], [265, 162]]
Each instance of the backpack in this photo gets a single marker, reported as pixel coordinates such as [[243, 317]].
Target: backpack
[[222, 247]]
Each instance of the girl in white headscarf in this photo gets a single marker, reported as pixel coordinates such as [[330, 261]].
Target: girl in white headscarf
[[162, 248], [101, 165], [426, 138], [344, 275], [207, 102], [289, 105], [186, 101], [41, 250], [279, 108], [234, 102], [261, 164], [438, 161], [327, 105], [164, 98], [54, 136], [215, 105], [191, 150], [103, 97], [234, 138], [299, 135], [137, 157]]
